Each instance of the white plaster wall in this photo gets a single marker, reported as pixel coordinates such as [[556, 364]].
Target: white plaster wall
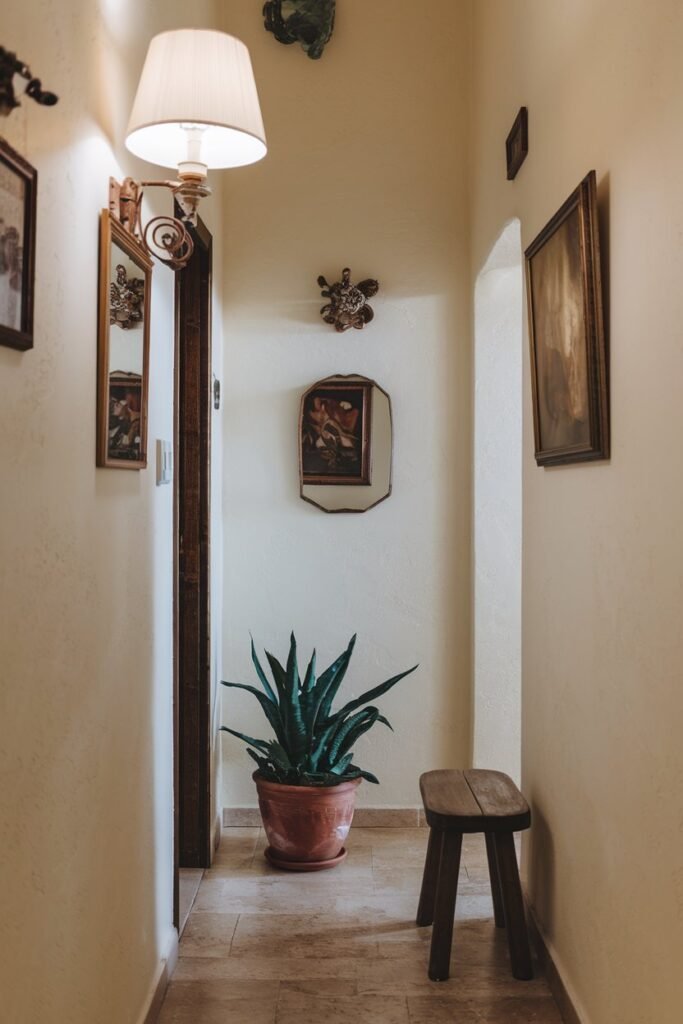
[[366, 168], [603, 543], [86, 554], [498, 507]]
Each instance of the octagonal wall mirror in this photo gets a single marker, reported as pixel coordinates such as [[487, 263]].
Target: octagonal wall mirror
[[345, 444]]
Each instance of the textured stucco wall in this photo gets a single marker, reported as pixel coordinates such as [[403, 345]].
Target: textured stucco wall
[[366, 168], [603, 543], [85, 587]]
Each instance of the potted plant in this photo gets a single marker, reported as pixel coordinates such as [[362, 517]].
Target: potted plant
[[306, 778]]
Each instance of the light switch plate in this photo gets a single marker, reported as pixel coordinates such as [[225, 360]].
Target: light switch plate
[[164, 462]]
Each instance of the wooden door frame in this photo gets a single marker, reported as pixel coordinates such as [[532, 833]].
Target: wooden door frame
[[192, 562]]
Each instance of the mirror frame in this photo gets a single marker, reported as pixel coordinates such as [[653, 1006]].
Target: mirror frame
[[341, 379], [112, 233]]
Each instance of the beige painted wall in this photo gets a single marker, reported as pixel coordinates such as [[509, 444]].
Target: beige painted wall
[[366, 168], [85, 585], [603, 544]]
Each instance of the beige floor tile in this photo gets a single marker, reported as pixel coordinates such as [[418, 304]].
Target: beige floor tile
[[297, 1008], [519, 1010], [188, 885], [267, 968], [467, 983], [208, 934], [440, 1010], [263, 945], [236, 1011], [300, 935], [208, 992]]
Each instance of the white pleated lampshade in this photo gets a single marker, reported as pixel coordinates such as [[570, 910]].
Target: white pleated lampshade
[[197, 78]]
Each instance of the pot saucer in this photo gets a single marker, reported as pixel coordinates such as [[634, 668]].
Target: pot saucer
[[303, 865]]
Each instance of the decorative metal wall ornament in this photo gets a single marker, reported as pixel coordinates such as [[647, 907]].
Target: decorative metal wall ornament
[[348, 306], [11, 65], [126, 299], [309, 22]]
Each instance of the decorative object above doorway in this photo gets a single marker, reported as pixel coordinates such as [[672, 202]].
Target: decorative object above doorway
[[309, 22], [348, 305], [517, 144], [11, 65], [18, 184], [196, 108], [345, 444], [569, 371], [123, 348]]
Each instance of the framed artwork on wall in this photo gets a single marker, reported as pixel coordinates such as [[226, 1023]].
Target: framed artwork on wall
[[18, 184], [517, 144], [569, 368], [123, 348], [334, 432]]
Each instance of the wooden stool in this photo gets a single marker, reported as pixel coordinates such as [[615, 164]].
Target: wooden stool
[[476, 800]]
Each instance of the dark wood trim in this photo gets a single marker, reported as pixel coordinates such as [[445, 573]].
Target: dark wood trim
[[192, 683]]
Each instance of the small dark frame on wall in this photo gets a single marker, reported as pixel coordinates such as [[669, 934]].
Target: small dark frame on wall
[[123, 348], [517, 144], [18, 187], [569, 359], [334, 432]]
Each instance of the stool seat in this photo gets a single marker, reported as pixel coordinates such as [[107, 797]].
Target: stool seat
[[458, 802], [474, 800]]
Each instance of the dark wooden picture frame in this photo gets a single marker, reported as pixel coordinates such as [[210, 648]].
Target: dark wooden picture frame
[[569, 357], [18, 189], [122, 391], [517, 143], [335, 432]]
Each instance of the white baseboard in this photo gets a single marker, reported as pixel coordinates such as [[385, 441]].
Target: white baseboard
[[162, 976], [364, 817]]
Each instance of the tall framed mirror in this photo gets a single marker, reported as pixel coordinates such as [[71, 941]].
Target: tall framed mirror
[[345, 444], [123, 348]]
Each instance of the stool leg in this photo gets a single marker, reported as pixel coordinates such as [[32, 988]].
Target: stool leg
[[513, 902], [444, 911], [430, 878], [498, 912]]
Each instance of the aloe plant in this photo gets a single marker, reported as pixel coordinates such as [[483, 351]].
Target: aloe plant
[[312, 744]]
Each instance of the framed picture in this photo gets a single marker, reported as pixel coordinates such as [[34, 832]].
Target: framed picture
[[517, 144], [569, 369], [334, 432], [123, 348], [18, 183]]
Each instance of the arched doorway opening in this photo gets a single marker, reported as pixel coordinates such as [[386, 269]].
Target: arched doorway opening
[[498, 505]]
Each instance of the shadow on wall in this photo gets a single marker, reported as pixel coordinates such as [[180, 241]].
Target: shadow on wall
[[539, 870]]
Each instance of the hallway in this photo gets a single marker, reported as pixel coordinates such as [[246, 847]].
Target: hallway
[[264, 947]]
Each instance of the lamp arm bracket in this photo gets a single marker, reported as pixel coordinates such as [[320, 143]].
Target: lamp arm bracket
[[165, 238]]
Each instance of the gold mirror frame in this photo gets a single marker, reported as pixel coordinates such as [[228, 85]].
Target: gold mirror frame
[[113, 234]]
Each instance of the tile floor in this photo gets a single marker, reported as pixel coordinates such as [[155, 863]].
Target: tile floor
[[265, 947]]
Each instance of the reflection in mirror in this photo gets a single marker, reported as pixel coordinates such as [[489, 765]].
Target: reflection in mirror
[[345, 444], [125, 279]]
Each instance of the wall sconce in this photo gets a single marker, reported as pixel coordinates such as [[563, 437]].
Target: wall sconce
[[196, 108]]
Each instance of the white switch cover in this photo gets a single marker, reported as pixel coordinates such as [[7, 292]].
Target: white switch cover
[[164, 462]]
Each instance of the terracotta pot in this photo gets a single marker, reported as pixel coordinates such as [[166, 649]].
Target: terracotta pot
[[306, 826]]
